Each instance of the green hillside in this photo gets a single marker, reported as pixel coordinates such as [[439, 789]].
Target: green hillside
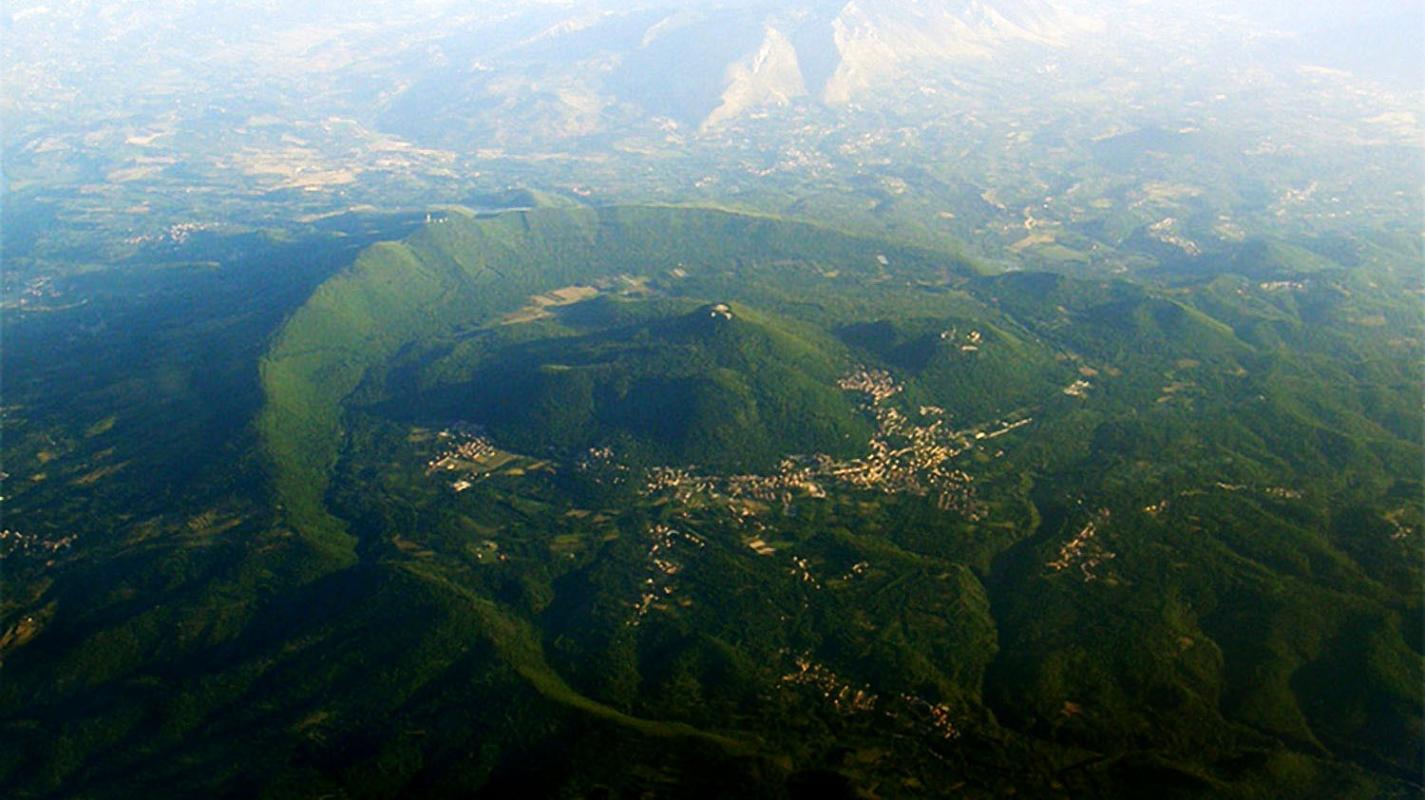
[[765, 509], [463, 271], [732, 388]]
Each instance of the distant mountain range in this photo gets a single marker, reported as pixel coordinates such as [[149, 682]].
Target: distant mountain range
[[706, 66], [446, 74], [571, 67]]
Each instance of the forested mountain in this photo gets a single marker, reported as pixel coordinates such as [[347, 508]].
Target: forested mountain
[[754, 499]]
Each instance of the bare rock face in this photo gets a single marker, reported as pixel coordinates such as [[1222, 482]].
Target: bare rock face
[[705, 66], [770, 76], [876, 40], [839, 56]]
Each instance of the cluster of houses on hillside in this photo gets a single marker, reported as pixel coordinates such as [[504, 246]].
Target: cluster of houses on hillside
[[969, 343], [664, 563], [847, 698], [601, 466], [875, 383], [936, 715], [18, 543], [467, 448], [904, 456], [174, 234], [1083, 551], [910, 457], [841, 694]]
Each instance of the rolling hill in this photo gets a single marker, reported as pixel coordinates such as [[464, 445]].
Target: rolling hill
[[718, 385]]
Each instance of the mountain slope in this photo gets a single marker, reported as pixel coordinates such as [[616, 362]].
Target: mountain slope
[[466, 270], [718, 385], [875, 41]]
